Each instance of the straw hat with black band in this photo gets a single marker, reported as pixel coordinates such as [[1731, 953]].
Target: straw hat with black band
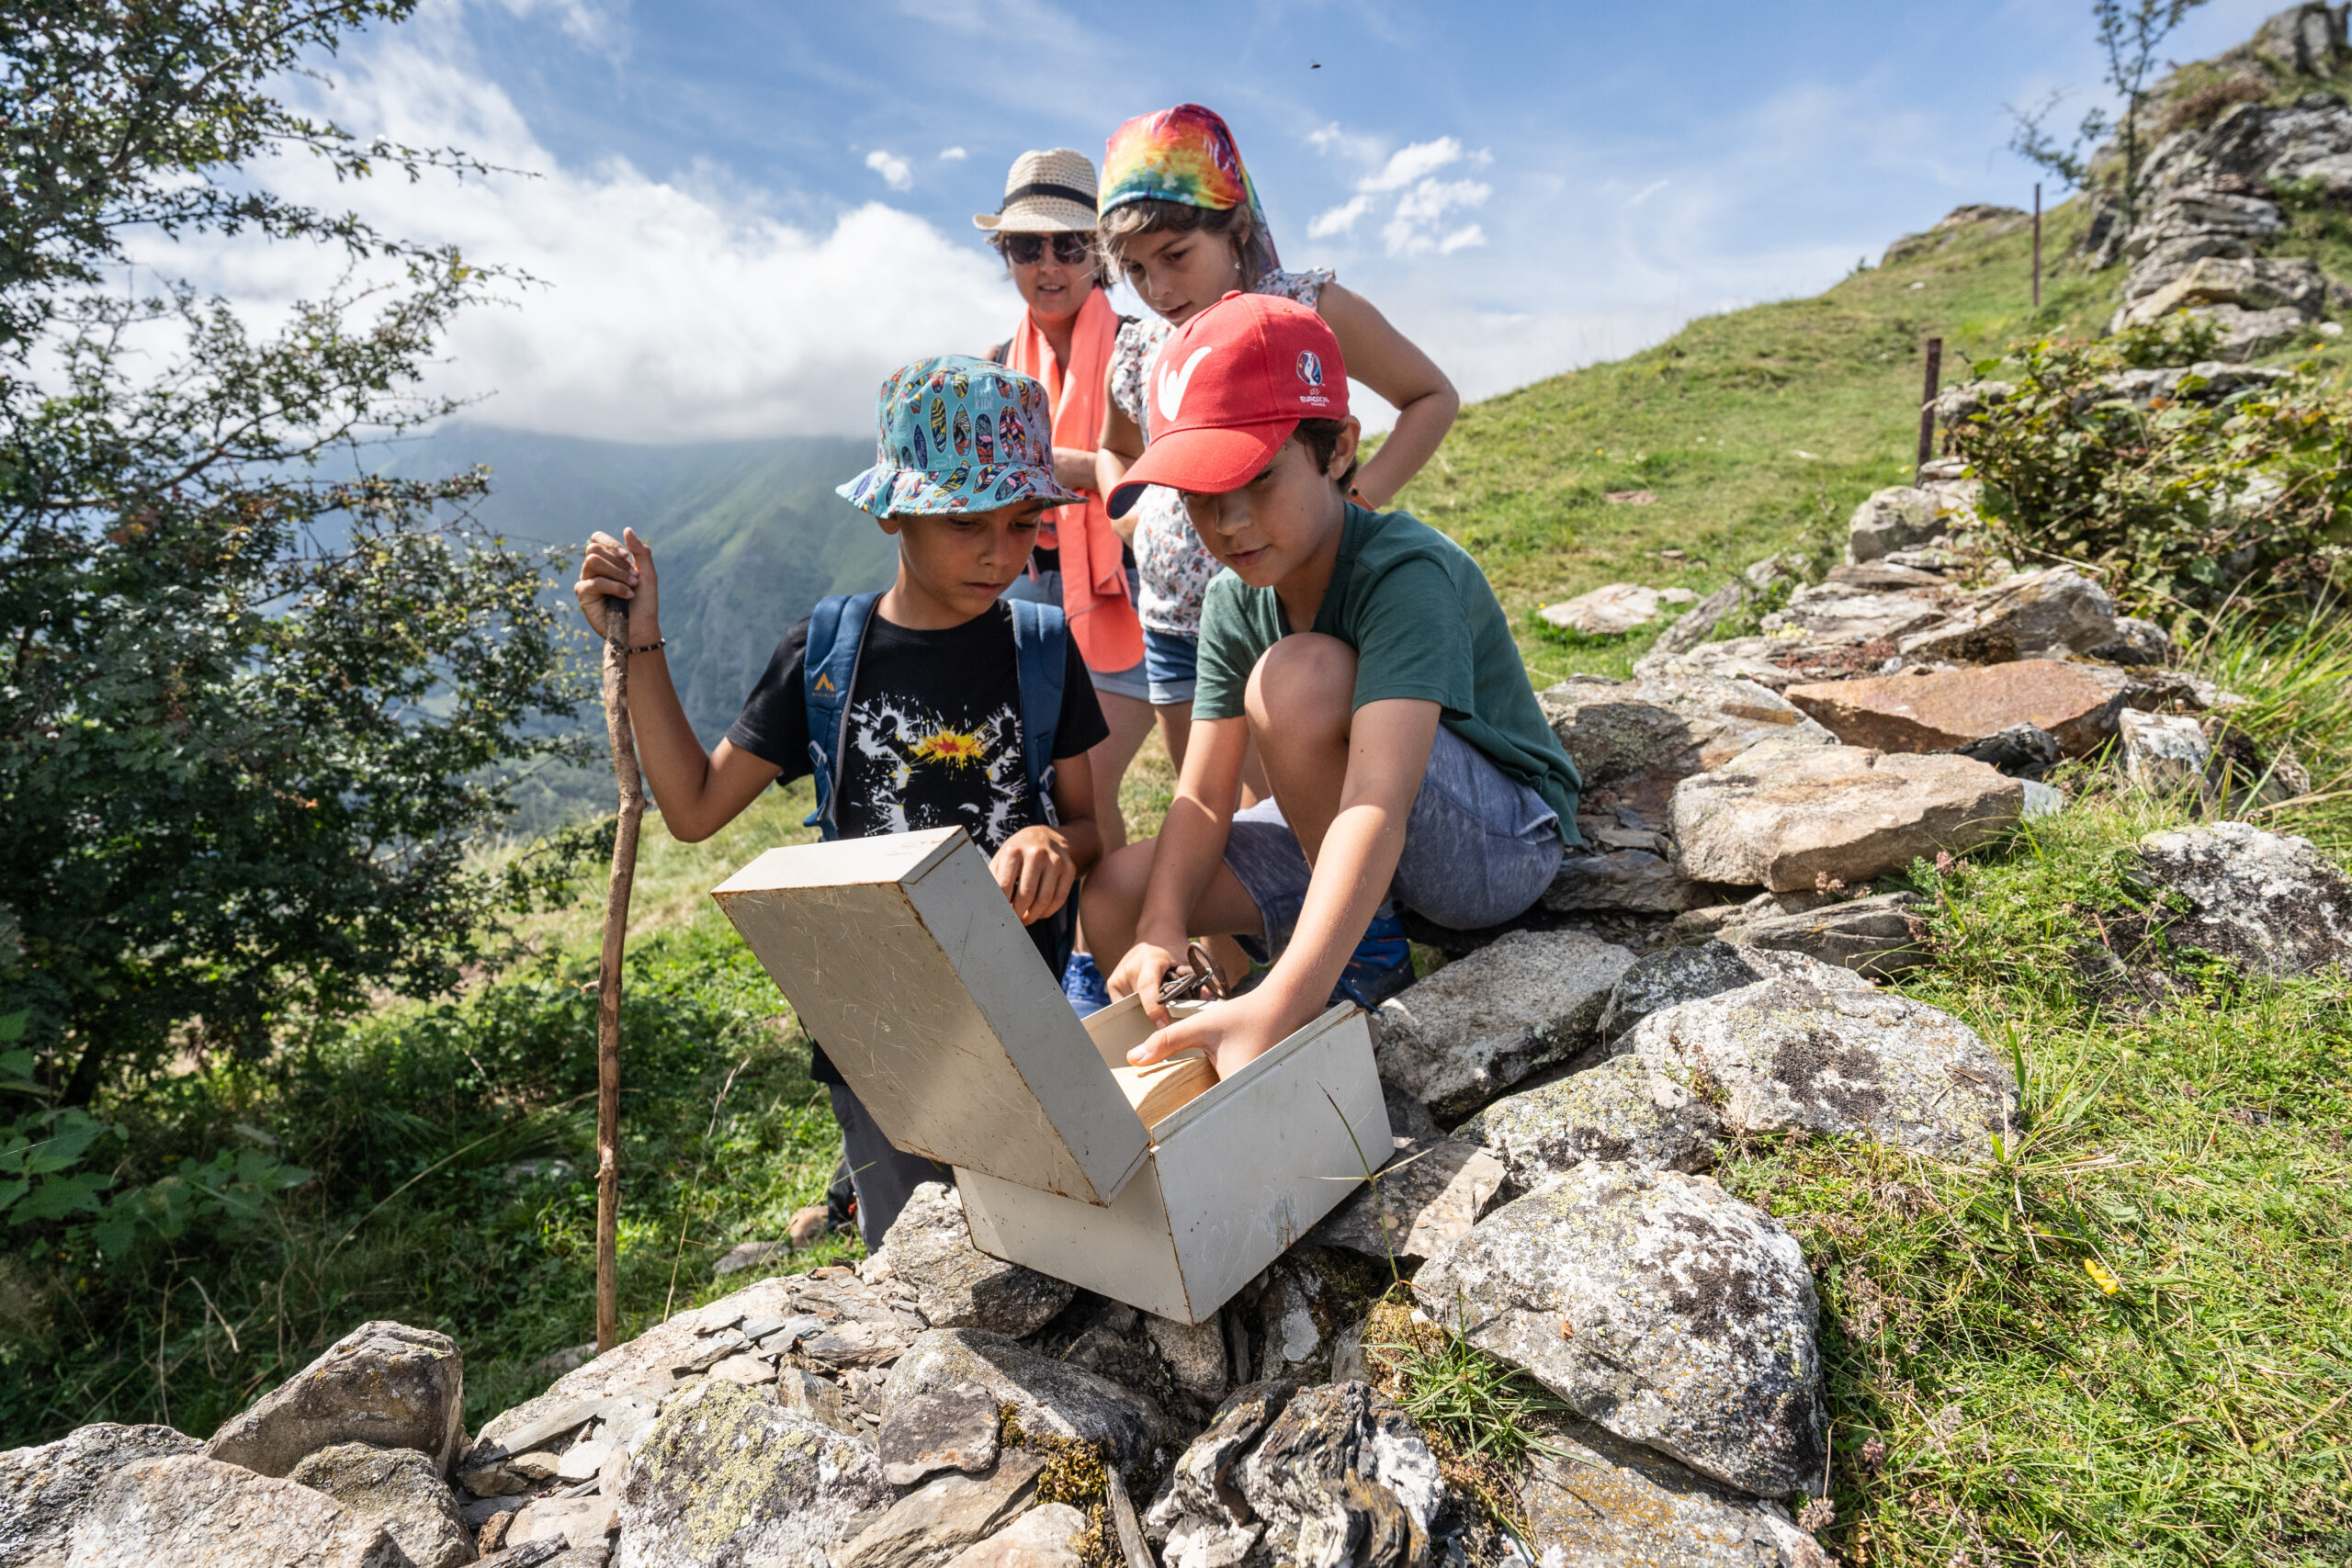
[[1045, 193]]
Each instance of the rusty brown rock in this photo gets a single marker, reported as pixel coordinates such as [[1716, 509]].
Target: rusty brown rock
[[2076, 702]]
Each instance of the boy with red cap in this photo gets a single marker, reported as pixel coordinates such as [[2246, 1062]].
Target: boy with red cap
[[1366, 654]]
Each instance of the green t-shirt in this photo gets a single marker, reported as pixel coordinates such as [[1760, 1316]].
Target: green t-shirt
[[1424, 623]]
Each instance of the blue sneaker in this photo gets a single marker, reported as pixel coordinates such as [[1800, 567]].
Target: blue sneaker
[[1381, 965], [1083, 984]]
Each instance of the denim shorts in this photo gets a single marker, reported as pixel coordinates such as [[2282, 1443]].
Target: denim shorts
[[1480, 848], [1172, 661], [1045, 588]]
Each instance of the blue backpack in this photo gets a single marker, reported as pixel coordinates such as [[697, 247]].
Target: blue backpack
[[829, 673]]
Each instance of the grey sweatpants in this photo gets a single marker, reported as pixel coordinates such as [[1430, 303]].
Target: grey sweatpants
[[883, 1178]]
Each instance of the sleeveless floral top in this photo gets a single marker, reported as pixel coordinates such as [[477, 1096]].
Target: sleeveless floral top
[[1174, 565]]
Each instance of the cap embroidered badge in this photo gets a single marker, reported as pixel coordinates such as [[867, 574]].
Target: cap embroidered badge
[[958, 435], [1229, 388]]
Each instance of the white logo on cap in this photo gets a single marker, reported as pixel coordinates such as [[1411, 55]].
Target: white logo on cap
[[1173, 382]]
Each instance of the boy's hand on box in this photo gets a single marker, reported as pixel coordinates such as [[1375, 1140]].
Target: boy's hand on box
[[620, 568], [1036, 872], [1144, 968], [1232, 1033]]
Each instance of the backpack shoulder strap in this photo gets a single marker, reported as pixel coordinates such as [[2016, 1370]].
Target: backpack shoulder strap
[[996, 356], [828, 672], [1041, 654]]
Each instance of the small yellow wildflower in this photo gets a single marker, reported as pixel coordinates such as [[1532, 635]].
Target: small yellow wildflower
[[2101, 1276]]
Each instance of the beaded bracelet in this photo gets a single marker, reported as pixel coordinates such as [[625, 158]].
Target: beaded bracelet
[[652, 647]]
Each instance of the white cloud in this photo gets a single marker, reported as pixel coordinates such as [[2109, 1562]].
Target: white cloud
[[1421, 210], [1409, 163], [1648, 191], [581, 22], [664, 309], [953, 154], [1462, 238], [1354, 147], [1340, 219], [896, 172]]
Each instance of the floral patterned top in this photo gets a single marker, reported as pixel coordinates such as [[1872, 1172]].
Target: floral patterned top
[[1174, 565]]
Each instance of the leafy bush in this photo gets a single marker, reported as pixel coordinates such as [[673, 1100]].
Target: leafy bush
[[2182, 506]]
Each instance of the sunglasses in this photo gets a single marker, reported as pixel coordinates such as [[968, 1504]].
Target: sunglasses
[[1069, 249]]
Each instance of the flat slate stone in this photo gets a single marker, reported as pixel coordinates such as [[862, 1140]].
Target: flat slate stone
[[1480, 1024], [404, 1489], [1042, 1537], [1601, 1502], [1878, 936], [44, 1488], [2055, 611], [1658, 1305], [957, 1285], [193, 1512], [1052, 1395], [946, 1514], [1939, 711], [1789, 820], [1634, 740]]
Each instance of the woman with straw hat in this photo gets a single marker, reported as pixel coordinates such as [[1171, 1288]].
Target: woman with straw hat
[[1045, 230]]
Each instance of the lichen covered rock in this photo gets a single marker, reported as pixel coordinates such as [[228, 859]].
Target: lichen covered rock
[[1658, 1305], [1621, 1110], [728, 1479], [404, 1489], [2267, 901], [44, 1488], [1604, 1503], [1791, 1053]]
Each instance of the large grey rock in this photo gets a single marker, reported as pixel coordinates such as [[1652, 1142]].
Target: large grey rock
[[1614, 610], [1684, 974], [955, 1429], [1053, 1397], [2055, 610], [2268, 902], [1634, 740], [1042, 1537], [1775, 663], [1193, 1353], [1480, 1024], [44, 1488], [193, 1512], [1658, 1305], [957, 1285], [2252, 282], [1601, 1502], [384, 1384], [946, 1514], [1328, 1476], [1795, 820], [404, 1489], [1893, 519], [1791, 1053], [1621, 1110], [1428, 1193], [1879, 936], [726, 1480]]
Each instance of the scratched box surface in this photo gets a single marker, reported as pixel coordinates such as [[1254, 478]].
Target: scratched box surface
[[903, 959]]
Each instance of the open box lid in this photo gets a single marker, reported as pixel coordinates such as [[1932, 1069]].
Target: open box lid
[[904, 961]]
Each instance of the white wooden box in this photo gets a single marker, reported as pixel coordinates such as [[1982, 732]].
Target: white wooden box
[[905, 962]]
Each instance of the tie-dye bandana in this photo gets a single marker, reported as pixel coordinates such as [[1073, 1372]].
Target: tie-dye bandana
[[958, 435], [1185, 154]]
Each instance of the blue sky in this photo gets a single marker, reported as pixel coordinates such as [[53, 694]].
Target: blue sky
[[741, 214]]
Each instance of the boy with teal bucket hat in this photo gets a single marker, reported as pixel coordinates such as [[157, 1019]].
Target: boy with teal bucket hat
[[932, 704]]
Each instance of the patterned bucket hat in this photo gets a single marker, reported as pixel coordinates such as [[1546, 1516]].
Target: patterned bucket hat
[[958, 435]]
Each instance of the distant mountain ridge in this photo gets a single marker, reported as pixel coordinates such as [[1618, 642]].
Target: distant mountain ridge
[[747, 535]]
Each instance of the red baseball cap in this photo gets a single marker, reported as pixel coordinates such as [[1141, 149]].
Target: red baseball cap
[[1229, 390]]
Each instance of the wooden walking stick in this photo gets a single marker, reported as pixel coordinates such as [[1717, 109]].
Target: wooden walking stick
[[608, 987]]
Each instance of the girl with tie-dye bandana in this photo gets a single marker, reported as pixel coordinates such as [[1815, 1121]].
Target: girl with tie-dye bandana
[[1182, 227]]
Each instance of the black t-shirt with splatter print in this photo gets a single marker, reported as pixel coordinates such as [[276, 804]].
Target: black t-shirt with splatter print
[[933, 738]]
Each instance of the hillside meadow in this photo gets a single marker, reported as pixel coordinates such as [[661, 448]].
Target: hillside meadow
[[2126, 1343]]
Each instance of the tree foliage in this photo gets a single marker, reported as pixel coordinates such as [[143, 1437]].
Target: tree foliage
[[2131, 37], [254, 701], [2183, 505]]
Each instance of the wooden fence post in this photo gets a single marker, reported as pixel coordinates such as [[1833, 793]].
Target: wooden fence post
[[2037, 244], [1928, 407]]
